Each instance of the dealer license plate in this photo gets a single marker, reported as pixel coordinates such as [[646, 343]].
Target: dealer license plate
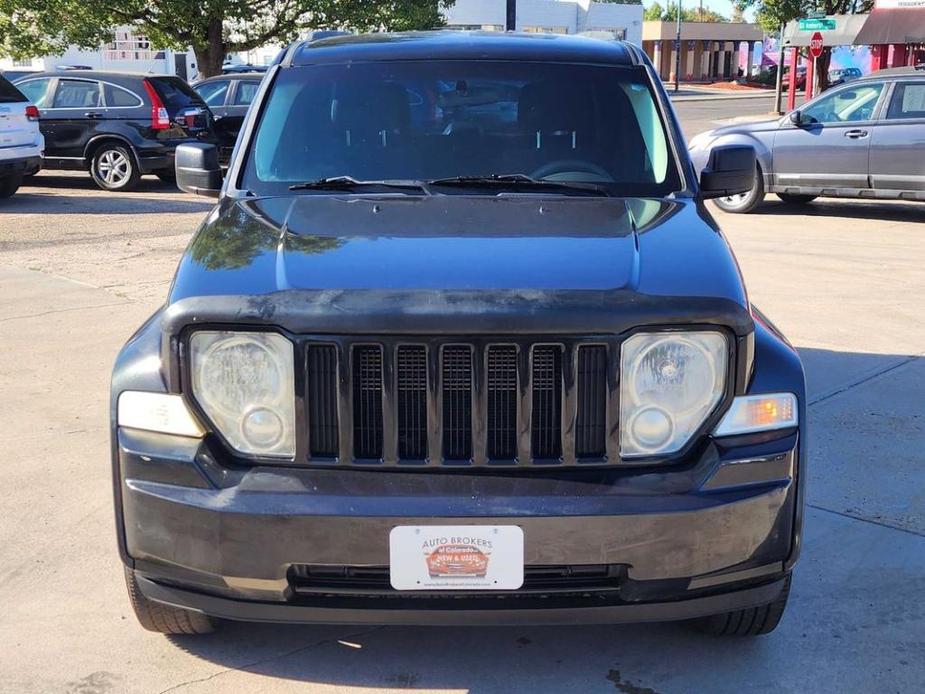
[[456, 557]]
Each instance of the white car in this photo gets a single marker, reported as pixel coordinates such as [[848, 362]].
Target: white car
[[21, 142]]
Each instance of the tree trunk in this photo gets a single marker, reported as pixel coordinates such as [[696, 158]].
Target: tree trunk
[[211, 55]]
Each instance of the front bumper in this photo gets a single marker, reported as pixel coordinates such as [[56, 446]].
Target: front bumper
[[713, 534]]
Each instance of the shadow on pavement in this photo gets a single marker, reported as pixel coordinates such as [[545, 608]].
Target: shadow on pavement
[[77, 194], [898, 211]]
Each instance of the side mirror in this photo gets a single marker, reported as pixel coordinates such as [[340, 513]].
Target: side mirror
[[197, 169], [796, 118], [730, 171]]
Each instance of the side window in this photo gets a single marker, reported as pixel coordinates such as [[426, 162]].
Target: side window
[[246, 93], [36, 91], [117, 97], [908, 101], [213, 93], [77, 94], [845, 106]]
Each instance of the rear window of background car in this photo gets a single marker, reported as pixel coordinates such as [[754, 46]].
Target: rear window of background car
[[35, 90], [213, 93], [77, 94], [175, 93], [117, 97], [908, 101], [8, 93], [246, 93]]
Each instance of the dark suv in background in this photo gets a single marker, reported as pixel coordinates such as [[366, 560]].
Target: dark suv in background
[[118, 126], [228, 98]]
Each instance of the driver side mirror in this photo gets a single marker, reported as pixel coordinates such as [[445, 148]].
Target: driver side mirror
[[197, 169], [730, 170], [796, 118]]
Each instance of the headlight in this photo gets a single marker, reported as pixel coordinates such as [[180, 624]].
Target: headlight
[[244, 382], [669, 384]]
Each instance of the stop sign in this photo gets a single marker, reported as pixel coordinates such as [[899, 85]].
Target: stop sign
[[815, 45]]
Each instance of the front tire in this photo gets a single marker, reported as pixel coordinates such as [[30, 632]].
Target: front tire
[[752, 621], [164, 619], [113, 168], [9, 185], [743, 203], [796, 199]]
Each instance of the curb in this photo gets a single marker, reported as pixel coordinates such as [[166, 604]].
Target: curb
[[719, 97]]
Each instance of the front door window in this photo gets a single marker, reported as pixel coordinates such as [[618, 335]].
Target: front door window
[[844, 106]]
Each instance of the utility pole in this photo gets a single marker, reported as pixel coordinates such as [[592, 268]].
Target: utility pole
[[510, 22], [677, 50]]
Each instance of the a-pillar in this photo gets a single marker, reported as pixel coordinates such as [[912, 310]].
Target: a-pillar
[[657, 58], [749, 59]]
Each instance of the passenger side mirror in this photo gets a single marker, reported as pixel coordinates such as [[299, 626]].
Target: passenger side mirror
[[197, 169], [730, 171], [796, 118]]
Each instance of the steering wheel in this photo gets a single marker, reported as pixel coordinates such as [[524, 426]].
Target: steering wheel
[[554, 170]]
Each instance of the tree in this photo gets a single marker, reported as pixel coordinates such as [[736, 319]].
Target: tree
[[655, 12], [774, 14], [213, 28]]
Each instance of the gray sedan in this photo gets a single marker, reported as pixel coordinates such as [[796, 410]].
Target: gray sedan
[[865, 139]]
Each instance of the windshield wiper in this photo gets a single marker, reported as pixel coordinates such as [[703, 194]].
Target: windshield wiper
[[516, 180], [349, 183]]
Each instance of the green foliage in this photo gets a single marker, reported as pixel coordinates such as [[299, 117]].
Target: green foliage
[[655, 12], [30, 28]]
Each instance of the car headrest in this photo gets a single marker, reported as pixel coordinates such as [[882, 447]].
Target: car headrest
[[371, 108], [554, 107]]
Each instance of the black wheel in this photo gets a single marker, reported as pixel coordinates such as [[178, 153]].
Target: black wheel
[[9, 185], [162, 618], [796, 199], [167, 175], [113, 168], [743, 203], [753, 621]]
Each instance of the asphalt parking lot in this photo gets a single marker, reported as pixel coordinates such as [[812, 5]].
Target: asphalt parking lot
[[79, 271]]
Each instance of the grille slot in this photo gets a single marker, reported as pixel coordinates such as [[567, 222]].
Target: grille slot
[[412, 402], [457, 403], [546, 427], [322, 401], [590, 425], [367, 402], [502, 402]]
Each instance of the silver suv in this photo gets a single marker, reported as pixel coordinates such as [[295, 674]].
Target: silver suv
[[862, 139], [21, 143]]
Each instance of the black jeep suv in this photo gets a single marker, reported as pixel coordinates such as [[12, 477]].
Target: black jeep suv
[[459, 344], [115, 125]]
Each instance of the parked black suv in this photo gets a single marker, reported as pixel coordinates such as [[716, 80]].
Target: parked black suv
[[228, 98], [459, 344], [116, 125]]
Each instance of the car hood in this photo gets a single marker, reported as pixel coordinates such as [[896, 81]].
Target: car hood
[[743, 128], [458, 263]]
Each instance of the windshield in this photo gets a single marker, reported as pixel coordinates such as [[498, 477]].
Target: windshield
[[420, 121]]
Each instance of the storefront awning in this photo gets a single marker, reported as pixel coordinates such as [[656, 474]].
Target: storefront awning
[[894, 25], [844, 33]]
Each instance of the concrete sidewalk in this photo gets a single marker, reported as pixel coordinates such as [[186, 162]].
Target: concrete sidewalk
[[706, 94]]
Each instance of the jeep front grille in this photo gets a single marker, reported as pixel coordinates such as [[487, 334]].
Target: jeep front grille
[[437, 402]]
